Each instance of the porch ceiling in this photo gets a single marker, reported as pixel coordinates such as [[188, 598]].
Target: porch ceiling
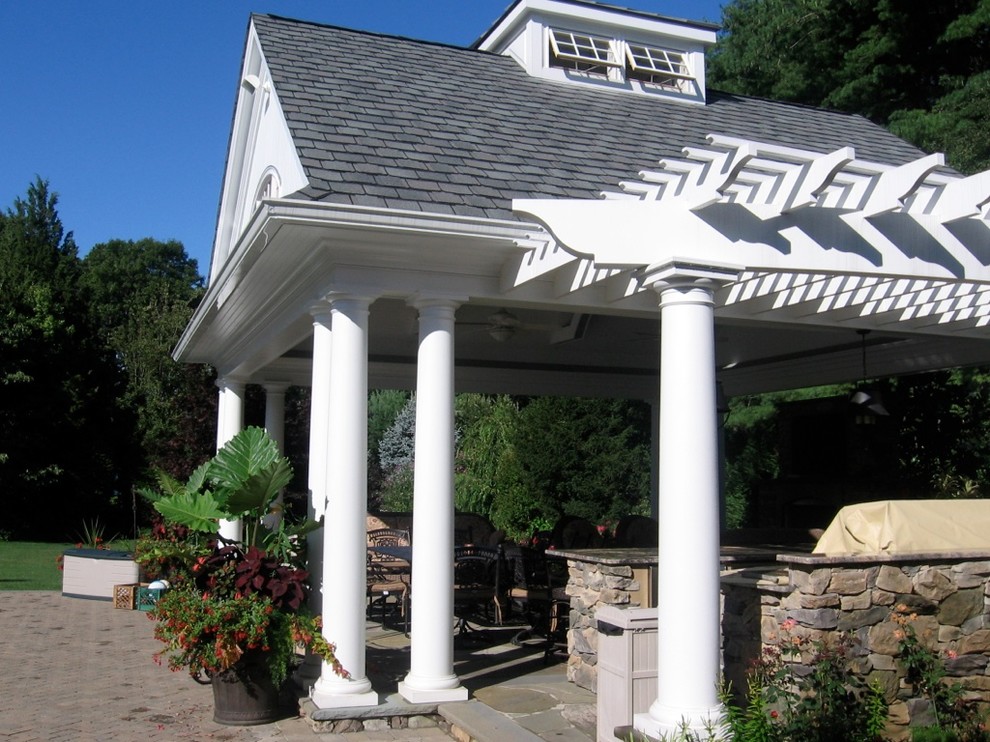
[[823, 245]]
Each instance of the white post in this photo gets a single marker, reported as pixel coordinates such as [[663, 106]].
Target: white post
[[275, 427], [319, 417], [654, 455], [344, 529], [275, 411], [688, 580], [431, 675], [230, 422]]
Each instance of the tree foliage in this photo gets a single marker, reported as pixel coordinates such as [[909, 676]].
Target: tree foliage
[[383, 407], [922, 70], [395, 456], [64, 444], [944, 431], [487, 472], [584, 457], [519, 462], [919, 68], [140, 296]]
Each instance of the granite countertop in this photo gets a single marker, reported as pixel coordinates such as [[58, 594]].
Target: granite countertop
[[648, 557], [959, 555]]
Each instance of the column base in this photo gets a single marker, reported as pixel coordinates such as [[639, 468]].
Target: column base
[[338, 695], [432, 695], [707, 724]]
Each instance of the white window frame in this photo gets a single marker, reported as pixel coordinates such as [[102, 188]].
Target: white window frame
[[655, 65], [591, 53]]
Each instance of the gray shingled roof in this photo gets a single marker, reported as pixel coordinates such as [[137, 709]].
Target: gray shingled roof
[[398, 123]]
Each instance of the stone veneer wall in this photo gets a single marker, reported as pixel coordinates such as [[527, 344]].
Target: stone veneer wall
[[825, 597], [828, 596], [590, 586]]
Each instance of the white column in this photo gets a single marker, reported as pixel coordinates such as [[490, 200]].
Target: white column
[[654, 455], [275, 427], [319, 417], [688, 594], [431, 675], [230, 422], [275, 411], [344, 540]]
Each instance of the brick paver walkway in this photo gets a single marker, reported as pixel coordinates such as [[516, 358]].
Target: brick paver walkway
[[78, 670]]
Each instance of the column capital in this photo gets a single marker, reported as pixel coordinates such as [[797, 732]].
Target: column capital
[[424, 301], [233, 383], [276, 387], [684, 274], [321, 311], [336, 297]]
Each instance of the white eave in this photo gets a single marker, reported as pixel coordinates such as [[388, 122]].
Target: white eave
[[329, 241]]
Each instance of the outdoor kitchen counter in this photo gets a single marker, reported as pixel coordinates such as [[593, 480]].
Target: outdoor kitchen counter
[[640, 557], [624, 578]]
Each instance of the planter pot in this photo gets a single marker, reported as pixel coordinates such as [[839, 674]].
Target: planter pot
[[92, 573], [245, 694]]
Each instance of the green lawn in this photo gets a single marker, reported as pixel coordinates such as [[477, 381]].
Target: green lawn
[[28, 565]]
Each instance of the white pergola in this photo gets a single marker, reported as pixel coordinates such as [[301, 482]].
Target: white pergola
[[763, 233], [757, 263]]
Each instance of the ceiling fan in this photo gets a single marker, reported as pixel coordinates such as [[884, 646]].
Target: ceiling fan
[[502, 325]]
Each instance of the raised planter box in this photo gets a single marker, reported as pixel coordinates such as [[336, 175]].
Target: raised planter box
[[92, 573]]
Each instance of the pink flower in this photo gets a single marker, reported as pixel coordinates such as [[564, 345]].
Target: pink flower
[[788, 623], [951, 654]]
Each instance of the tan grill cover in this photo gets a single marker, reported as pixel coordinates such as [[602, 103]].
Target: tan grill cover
[[892, 526]]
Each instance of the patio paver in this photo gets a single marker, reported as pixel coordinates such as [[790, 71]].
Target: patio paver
[[80, 670]]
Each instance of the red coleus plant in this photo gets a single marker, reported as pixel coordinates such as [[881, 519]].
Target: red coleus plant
[[259, 573], [239, 601], [233, 572]]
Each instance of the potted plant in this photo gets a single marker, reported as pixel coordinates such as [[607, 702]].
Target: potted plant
[[240, 613], [167, 551]]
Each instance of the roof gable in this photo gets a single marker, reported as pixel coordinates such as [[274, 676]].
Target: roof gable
[[262, 160]]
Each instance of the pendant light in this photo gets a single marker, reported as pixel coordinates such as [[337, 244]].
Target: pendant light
[[868, 399]]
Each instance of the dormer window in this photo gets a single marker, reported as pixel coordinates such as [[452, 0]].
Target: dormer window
[[586, 42], [582, 52], [618, 60], [665, 68]]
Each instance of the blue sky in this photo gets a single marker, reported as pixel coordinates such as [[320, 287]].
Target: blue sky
[[124, 106]]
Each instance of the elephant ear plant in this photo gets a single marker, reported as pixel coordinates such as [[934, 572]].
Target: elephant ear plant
[[243, 482], [242, 597]]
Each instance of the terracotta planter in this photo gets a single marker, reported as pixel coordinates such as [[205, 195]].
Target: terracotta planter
[[244, 694], [92, 573]]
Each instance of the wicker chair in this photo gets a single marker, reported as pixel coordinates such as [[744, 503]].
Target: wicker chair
[[387, 576], [478, 584]]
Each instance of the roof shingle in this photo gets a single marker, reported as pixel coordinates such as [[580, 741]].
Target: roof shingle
[[388, 120]]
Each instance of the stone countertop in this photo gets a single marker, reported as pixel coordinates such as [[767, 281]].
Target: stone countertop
[[612, 557], [962, 555], [648, 557]]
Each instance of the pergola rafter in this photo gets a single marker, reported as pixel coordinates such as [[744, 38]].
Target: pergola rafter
[[814, 236]]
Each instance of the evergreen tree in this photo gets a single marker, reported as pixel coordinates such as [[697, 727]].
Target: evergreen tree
[[395, 454], [919, 68], [64, 441], [583, 457]]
